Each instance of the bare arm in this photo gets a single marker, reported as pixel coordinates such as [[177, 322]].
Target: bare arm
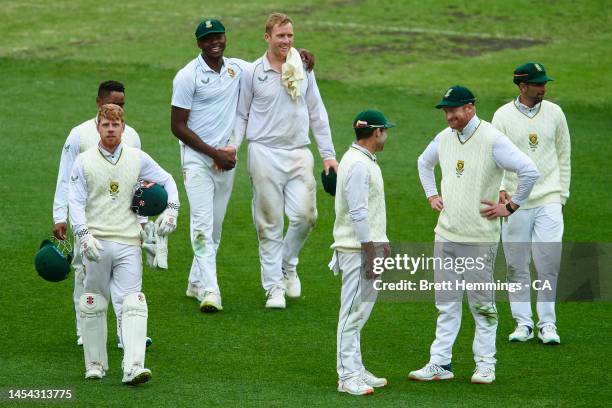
[[178, 124]]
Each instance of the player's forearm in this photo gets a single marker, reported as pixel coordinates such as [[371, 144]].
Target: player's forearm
[[187, 136], [427, 177]]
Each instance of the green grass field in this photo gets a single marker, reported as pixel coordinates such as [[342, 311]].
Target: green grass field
[[397, 56]]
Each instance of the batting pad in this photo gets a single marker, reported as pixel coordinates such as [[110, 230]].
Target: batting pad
[[93, 308], [134, 330]]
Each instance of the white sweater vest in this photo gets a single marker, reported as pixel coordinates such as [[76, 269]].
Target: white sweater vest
[[545, 139], [89, 136], [469, 174], [345, 238], [110, 189]]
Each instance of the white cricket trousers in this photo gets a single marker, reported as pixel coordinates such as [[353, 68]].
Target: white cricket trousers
[[119, 273], [356, 302], [79, 290], [208, 192], [533, 233], [449, 302], [283, 183]]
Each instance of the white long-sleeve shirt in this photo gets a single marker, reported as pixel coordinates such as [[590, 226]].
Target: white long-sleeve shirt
[[506, 155], [70, 151], [357, 188], [149, 170], [267, 114]]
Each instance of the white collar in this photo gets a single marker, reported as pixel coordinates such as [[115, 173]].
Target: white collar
[[469, 129], [111, 157], [364, 151]]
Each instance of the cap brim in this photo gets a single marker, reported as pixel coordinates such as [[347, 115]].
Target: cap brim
[[540, 80], [211, 32], [389, 125], [451, 104]]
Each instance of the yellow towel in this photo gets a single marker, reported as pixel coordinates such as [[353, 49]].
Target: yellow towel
[[292, 73]]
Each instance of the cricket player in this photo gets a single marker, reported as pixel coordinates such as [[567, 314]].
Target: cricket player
[[101, 188], [539, 129], [204, 99], [473, 156], [278, 103], [361, 224], [80, 139]]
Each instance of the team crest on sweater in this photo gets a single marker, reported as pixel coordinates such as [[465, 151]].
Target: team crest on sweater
[[533, 141], [113, 189], [460, 167]]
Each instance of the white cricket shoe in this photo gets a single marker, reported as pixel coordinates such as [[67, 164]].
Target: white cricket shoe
[[431, 372], [521, 333], [548, 335], [136, 375], [94, 371], [355, 386], [80, 341], [293, 284], [483, 375], [373, 381], [193, 290], [211, 302], [276, 298]]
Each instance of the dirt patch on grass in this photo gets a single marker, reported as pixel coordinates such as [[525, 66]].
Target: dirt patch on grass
[[441, 46], [473, 46]]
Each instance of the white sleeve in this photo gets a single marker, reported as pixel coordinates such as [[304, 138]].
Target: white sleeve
[[137, 137], [511, 158], [562, 142], [77, 197], [319, 121], [356, 188], [70, 152], [151, 171], [244, 106], [426, 164], [183, 89], [498, 124]]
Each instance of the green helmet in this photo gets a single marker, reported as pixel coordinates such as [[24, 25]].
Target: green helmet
[[52, 261], [149, 199]]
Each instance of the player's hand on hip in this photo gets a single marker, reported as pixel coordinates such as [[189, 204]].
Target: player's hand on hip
[[308, 57], [166, 222], [436, 202], [90, 246], [330, 163], [504, 197], [225, 158], [493, 210], [369, 251], [59, 231]]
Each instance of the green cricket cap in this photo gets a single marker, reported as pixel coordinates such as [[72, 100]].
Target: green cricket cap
[[531, 73], [209, 26], [371, 119], [456, 96]]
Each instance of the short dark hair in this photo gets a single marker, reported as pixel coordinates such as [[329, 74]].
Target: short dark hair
[[364, 133], [107, 87]]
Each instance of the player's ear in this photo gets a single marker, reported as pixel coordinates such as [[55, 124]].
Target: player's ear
[[99, 101], [267, 36]]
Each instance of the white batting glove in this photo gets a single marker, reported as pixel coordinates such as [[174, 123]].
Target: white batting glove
[[90, 247], [161, 252], [166, 222], [148, 242]]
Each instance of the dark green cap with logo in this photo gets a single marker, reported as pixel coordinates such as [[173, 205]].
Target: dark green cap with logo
[[531, 73], [456, 96], [209, 26], [371, 119]]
